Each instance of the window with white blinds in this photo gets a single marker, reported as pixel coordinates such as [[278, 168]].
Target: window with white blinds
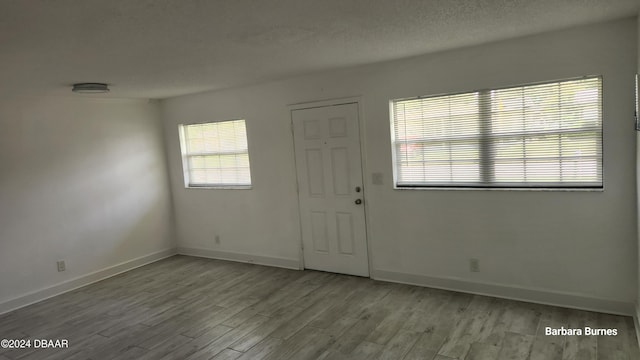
[[215, 154], [535, 136]]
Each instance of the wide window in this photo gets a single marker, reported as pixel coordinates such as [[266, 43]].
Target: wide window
[[215, 154], [535, 136]]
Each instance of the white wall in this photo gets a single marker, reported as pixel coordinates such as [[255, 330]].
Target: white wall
[[577, 243], [82, 180]]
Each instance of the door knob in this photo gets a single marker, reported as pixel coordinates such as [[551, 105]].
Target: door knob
[[358, 201], [358, 189]]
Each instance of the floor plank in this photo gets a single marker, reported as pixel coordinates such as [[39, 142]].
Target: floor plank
[[194, 308]]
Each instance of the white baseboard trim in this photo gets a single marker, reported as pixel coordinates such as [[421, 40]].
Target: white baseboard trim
[[84, 280], [568, 300], [241, 257]]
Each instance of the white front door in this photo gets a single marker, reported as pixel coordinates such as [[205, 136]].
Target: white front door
[[328, 163]]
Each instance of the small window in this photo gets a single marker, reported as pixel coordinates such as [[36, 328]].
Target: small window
[[535, 136], [215, 155]]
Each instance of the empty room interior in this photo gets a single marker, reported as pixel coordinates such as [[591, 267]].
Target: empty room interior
[[305, 179]]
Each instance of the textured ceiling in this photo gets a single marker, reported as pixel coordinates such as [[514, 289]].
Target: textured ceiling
[[164, 48]]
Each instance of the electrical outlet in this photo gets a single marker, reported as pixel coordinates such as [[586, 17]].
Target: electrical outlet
[[61, 266], [217, 240], [474, 265]]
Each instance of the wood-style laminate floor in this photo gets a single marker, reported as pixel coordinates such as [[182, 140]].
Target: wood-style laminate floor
[[193, 308]]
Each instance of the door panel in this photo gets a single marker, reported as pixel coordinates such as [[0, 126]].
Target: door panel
[[329, 169], [344, 221], [340, 171], [315, 172], [319, 231]]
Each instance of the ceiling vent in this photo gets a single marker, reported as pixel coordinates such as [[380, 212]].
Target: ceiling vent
[[90, 88]]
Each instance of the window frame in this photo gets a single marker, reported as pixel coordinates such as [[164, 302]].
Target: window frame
[[185, 159], [483, 158]]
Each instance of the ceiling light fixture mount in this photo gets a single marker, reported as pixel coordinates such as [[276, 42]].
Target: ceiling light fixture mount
[[90, 88]]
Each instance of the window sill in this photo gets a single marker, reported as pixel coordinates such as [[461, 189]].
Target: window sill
[[501, 189], [221, 187]]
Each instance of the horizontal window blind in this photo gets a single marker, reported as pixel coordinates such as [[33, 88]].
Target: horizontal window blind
[[542, 135], [216, 154]]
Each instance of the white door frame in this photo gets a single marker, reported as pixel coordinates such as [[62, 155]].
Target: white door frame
[[363, 161]]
